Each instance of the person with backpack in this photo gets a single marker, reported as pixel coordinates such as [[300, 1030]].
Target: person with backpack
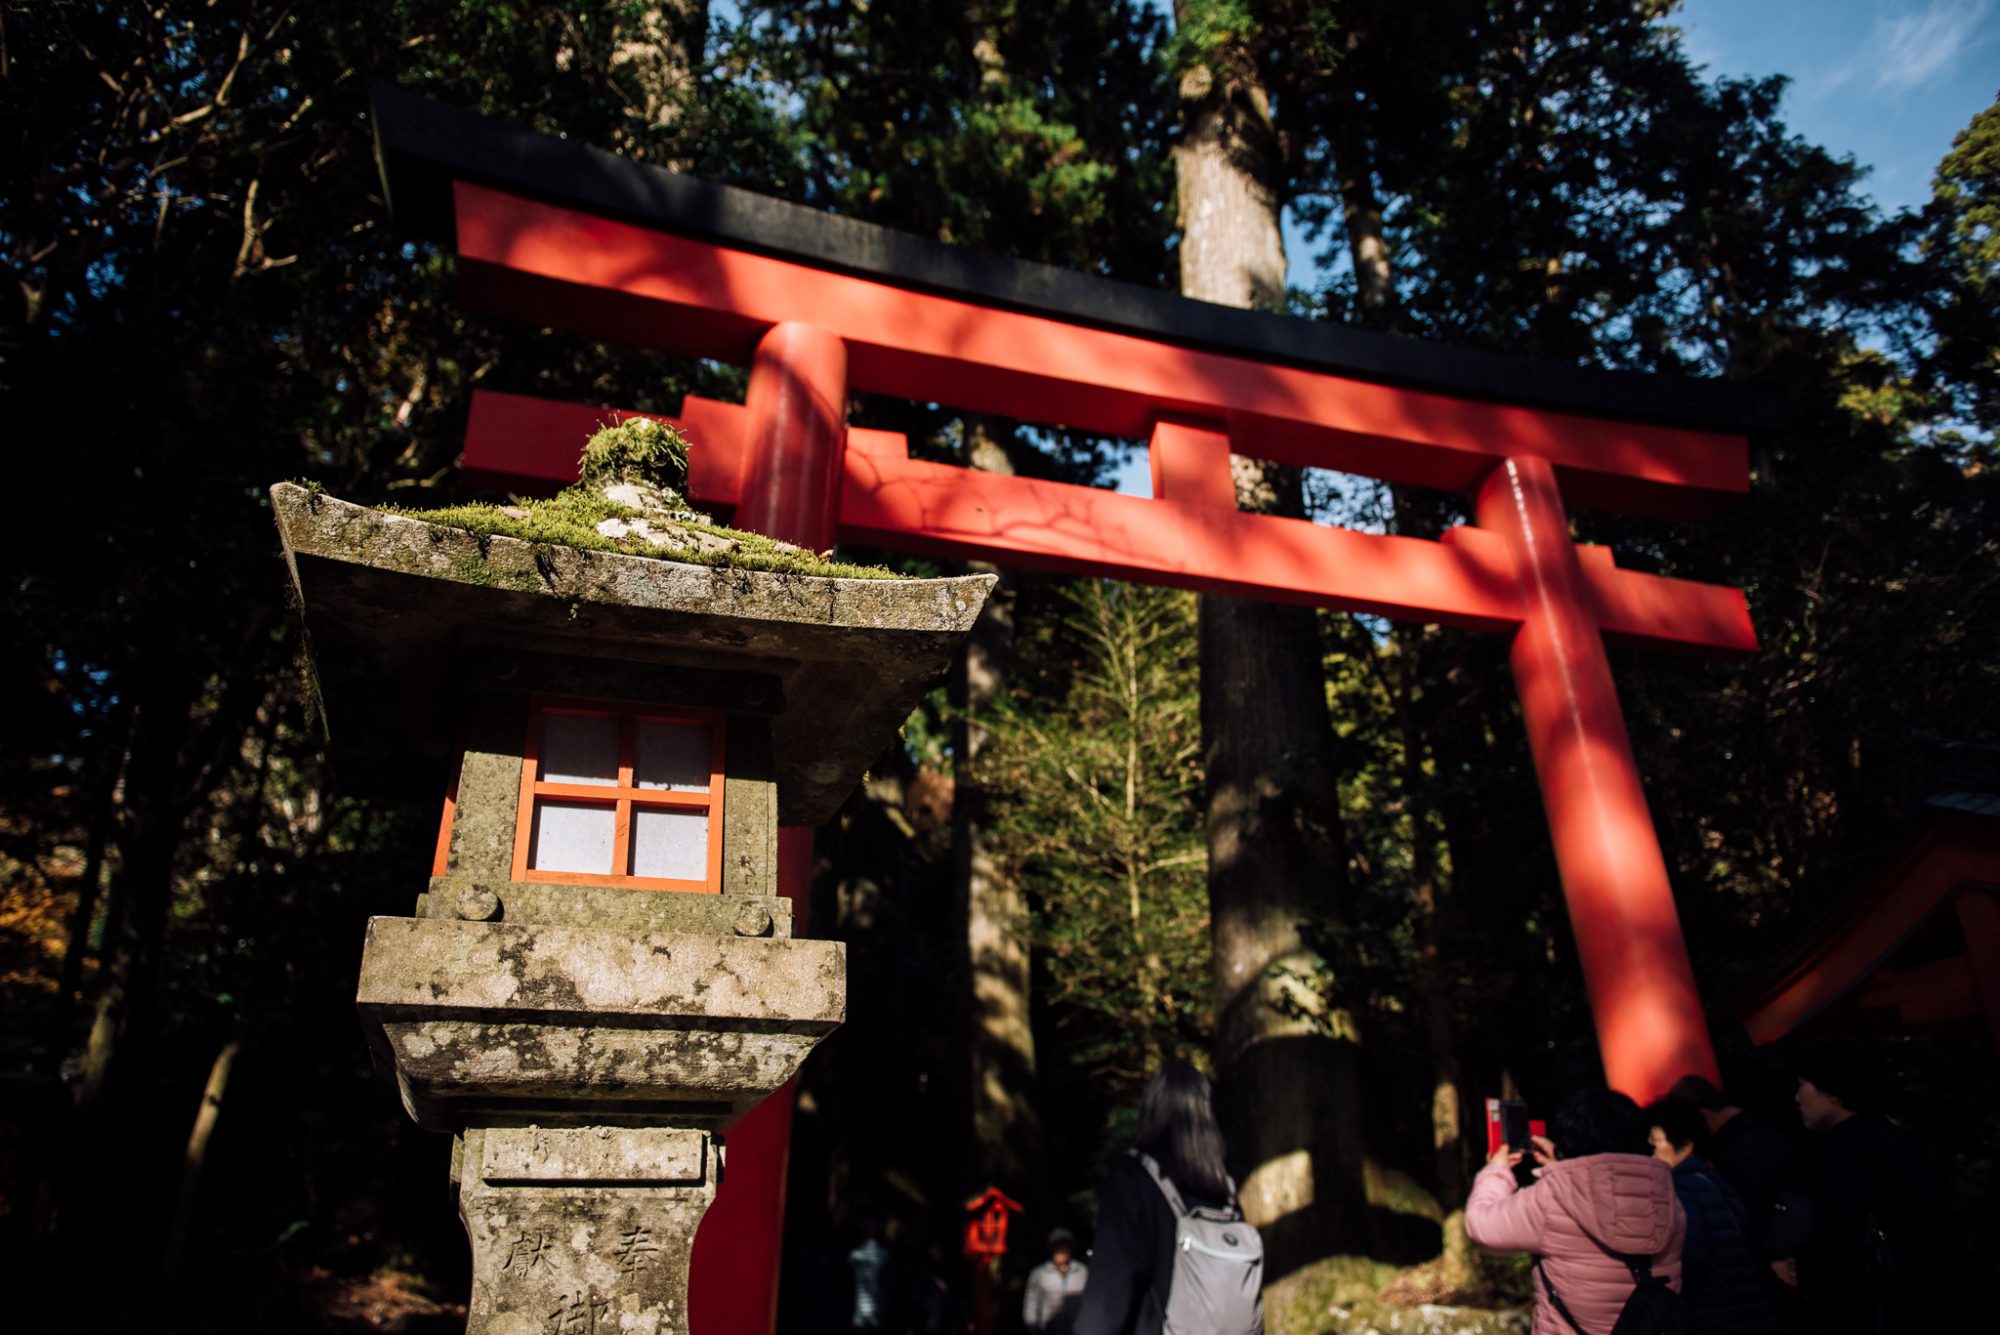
[[1600, 1219], [1722, 1279], [1174, 1255]]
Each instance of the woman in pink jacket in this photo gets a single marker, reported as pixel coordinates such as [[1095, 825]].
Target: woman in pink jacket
[[1599, 1191]]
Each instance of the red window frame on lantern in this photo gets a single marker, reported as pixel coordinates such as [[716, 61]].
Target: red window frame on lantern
[[628, 796]]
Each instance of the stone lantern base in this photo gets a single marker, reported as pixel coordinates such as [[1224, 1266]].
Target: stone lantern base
[[588, 1074], [582, 1230]]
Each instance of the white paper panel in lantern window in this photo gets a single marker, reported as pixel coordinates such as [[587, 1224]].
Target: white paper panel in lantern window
[[579, 748], [574, 836], [673, 756], [669, 843]]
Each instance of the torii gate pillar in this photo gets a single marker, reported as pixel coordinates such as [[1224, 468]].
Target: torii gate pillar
[[1635, 963], [797, 409]]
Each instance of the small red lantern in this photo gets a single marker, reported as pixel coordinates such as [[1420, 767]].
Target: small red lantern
[[986, 1226]]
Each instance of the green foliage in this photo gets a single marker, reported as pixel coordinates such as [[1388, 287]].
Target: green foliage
[[1211, 32], [1097, 772], [638, 449], [1962, 242]]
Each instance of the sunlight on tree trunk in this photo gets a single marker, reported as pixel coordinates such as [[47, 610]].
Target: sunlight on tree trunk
[[196, 1159], [1285, 1055]]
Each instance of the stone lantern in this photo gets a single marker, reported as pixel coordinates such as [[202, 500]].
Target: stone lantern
[[599, 978]]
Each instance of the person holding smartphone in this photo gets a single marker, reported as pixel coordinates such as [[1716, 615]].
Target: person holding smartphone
[[1599, 1198]]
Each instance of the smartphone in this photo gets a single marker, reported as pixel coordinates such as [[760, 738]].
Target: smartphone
[[1508, 1123]]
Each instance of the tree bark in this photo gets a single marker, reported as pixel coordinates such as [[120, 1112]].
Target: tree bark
[[1367, 246], [1285, 1051], [1433, 988], [196, 1159], [141, 892], [108, 773], [1000, 1040]]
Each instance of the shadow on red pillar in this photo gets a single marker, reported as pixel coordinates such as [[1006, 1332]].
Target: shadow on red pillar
[[1649, 1021], [797, 408], [733, 1275]]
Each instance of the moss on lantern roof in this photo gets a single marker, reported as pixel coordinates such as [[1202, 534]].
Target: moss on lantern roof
[[636, 449], [645, 461], [570, 519]]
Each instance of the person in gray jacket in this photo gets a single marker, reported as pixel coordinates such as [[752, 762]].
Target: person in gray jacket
[[1055, 1288]]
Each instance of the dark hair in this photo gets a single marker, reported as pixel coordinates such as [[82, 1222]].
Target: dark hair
[[1600, 1121], [1680, 1122], [1841, 1066], [1698, 1091], [1177, 1128]]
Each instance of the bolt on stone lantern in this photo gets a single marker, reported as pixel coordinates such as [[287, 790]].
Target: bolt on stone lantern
[[600, 978]]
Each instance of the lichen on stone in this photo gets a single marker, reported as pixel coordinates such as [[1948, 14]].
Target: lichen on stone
[[630, 501]]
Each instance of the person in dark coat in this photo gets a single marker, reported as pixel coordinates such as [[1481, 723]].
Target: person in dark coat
[[1761, 1162], [1722, 1279], [1768, 1171], [1132, 1264], [1882, 1257]]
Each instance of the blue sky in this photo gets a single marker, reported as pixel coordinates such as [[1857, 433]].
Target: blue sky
[[1886, 81]]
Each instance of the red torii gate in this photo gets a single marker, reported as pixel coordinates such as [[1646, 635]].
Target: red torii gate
[[559, 235]]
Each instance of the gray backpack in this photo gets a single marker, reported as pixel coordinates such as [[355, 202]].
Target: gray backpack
[[1218, 1266]]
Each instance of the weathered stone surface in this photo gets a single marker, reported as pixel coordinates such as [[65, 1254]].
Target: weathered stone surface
[[557, 1251], [439, 968], [1373, 1318], [749, 811], [474, 903], [603, 907], [393, 603], [481, 1020], [489, 788], [451, 1072], [603, 1155], [517, 671]]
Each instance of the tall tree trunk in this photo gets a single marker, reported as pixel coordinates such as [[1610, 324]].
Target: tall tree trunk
[[1123, 638], [141, 891], [102, 789], [1285, 1051], [1000, 1040], [195, 1160], [97, 1194], [1367, 246], [1433, 987]]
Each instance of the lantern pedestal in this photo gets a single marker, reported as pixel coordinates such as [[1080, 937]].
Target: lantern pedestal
[[582, 1230]]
